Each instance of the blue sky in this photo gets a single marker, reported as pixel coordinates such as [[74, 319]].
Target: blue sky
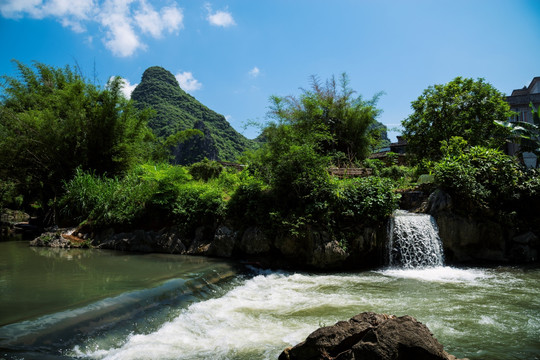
[[233, 55]]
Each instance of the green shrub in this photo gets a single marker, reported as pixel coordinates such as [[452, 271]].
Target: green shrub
[[375, 164], [362, 200], [229, 179], [251, 203], [205, 170], [145, 195], [104, 201], [198, 204], [163, 180], [394, 172], [480, 177]]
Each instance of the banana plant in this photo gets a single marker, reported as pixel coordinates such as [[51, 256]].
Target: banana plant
[[526, 135]]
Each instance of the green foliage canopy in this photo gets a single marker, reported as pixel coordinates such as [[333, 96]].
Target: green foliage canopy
[[53, 121], [481, 178], [463, 107], [331, 117]]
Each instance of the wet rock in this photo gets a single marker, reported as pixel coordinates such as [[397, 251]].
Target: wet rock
[[411, 199], [170, 242], [254, 242], [438, 201], [328, 254], [524, 248], [200, 243], [224, 242], [370, 336], [53, 239]]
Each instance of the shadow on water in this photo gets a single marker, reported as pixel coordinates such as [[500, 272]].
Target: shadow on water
[[53, 299]]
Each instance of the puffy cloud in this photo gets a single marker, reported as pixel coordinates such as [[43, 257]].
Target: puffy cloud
[[127, 88], [187, 81], [219, 18], [69, 13], [120, 36], [155, 23], [123, 21], [254, 72]]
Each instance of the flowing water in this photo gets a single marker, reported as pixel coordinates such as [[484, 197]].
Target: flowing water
[[414, 241], [479, 313]]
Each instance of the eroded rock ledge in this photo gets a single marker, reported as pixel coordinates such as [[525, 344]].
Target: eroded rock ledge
[[370, 336]]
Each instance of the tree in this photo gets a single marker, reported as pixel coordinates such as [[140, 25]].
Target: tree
[[53, 121], [332, 118], [463, 107]]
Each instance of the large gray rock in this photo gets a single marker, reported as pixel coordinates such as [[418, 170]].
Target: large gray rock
[[467, 239], [254, 242], [524, 248], [327, 254], [370, 336], [223, 243]]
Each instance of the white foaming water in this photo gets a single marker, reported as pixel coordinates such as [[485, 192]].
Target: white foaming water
[[247, 319], [414, 241], [438, 274], [467, 310]]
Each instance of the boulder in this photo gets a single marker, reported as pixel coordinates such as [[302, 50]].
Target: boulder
[[523, 248], [254, 242], [370, 336], [51, 239], [200, 244], [224, 242], [169, 241], [327, 254]]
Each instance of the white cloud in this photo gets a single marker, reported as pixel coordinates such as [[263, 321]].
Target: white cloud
[[69, 13], [187, 81], [122, 21], [154, 23], [219, 18], [120, 36], [127, 88], [254, 72], [172, 18]]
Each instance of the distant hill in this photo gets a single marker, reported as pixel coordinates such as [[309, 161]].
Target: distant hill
[[177, 110]]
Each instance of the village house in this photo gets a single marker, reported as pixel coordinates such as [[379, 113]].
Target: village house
[[519, 102]]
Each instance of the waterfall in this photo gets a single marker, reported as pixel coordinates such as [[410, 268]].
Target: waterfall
[[414, 241]]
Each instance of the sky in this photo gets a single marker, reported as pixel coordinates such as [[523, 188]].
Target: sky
[[233, 55]]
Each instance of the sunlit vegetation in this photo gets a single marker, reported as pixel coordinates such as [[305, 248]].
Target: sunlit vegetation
[[88, 156]]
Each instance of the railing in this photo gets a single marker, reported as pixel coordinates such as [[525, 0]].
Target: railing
[[350, 172]]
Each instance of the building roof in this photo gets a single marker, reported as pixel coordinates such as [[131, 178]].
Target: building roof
[[528, 90], [529, 94]]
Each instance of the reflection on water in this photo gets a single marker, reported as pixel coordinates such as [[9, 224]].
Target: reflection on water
[[39, 281]]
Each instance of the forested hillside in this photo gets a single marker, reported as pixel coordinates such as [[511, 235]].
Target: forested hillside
[[176, 110]]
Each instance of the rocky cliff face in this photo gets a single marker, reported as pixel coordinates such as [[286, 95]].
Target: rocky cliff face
[[473, 239], [176, 110], [370, 336], [313, 250]]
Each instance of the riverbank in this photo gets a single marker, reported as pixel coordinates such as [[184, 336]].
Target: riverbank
[[466, 240]]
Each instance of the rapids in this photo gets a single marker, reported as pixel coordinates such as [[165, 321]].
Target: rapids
[[478, 313], [197, 310]]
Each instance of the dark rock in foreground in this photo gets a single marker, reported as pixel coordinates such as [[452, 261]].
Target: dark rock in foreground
[[370, 336]]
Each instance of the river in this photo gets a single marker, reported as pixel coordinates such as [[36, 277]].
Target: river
[[91, 304]]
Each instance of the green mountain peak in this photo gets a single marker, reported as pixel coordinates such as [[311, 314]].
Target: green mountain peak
[[176, 110]]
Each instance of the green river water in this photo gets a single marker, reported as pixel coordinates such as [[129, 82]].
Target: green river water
[[91, 304]]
